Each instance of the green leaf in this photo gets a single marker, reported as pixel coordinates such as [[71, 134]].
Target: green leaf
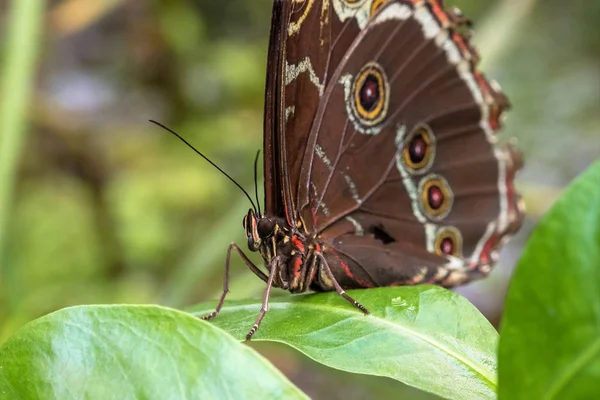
[[550, 341], [133, 352], [424, 336]]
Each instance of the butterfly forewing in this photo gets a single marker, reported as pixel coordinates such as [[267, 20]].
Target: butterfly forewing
[[308, 40]]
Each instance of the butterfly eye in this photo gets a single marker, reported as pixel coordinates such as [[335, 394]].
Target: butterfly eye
[[448, 242], [419, 150], [265, 228], [371, 94], [436, 197]]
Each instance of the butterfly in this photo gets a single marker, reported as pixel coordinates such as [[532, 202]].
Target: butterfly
[[380, 158]]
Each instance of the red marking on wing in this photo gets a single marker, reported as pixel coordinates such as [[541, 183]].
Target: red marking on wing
[[495, 118], [482, 83], [462, 45], [439, 13], [348, 272], [487, 91], [444, 20], [515, 212], [490, 245]]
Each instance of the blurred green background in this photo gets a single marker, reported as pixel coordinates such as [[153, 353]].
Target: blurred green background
[[100, 206]]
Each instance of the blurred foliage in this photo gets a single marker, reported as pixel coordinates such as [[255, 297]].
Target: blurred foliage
[[554, 302], [109, 209]]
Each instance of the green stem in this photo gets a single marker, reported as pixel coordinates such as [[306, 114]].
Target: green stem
[[16, 81]]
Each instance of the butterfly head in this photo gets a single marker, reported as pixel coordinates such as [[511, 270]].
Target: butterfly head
[[258, 229]]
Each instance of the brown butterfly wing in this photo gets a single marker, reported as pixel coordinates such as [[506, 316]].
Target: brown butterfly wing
[[273, 195], [403, 181], [306, 46]]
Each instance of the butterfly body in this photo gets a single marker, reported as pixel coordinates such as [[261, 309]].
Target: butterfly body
[[294, 256], [284, 249], [381, 161]]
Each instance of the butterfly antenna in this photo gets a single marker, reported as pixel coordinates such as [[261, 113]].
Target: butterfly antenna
[[211, 163], [256, 182]]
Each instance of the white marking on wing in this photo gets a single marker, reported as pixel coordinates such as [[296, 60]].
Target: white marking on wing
[[322, 205], [409, 184], [454, 263], [393, 11], [503, 221], [428, 23], [351, 185], [289, 111], [293, 71], [360, 11], [430, 231], [319, 151], [358, 229], [489, 231], [295, 26]]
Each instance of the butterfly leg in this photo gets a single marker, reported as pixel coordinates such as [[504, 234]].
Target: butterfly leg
[[310, 273], [250, 265], [337, 286], [265, 302]]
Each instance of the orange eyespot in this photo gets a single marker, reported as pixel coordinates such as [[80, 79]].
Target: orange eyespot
[[436, 197], [370, 94], [377, 5], [448, 242], [419, 150]]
